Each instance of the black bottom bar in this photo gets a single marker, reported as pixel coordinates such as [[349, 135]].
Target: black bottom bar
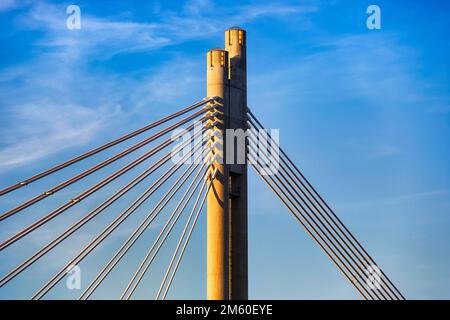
[[254, 309]]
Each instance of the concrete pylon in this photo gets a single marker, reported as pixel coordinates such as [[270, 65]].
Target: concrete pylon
[[217, 200], [235, 44], [227, 248]]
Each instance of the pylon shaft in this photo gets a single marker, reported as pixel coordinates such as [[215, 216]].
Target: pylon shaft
[[235, 44], [217, 201], [227, 275]]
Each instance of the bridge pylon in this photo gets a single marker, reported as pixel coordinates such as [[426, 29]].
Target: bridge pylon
[[227, 244]]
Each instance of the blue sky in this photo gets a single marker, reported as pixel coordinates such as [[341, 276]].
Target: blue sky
[[364, 113]]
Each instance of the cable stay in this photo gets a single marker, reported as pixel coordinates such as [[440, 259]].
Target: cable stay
[[130, 242], [319, 227], [186, 242], [346, 245], [201, 144], [76, 226], [90, 191], [109, 229], [107, 162], [106, 146], [146, 262], [296, 212]]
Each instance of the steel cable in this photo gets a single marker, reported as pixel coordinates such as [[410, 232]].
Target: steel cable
[[76, 226], [107, 231], [105, 146], [319, 225], [87, 192], [177, 264], [330, 213], [145, 263], [121, 252], [259, 170], [102, 164]]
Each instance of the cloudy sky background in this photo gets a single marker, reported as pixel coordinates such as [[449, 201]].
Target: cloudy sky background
[[365, 114]]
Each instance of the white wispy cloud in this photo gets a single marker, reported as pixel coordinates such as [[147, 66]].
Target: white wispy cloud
[[55, 101], [44, 128], [342, 68], [107, 37], [6, 5]]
